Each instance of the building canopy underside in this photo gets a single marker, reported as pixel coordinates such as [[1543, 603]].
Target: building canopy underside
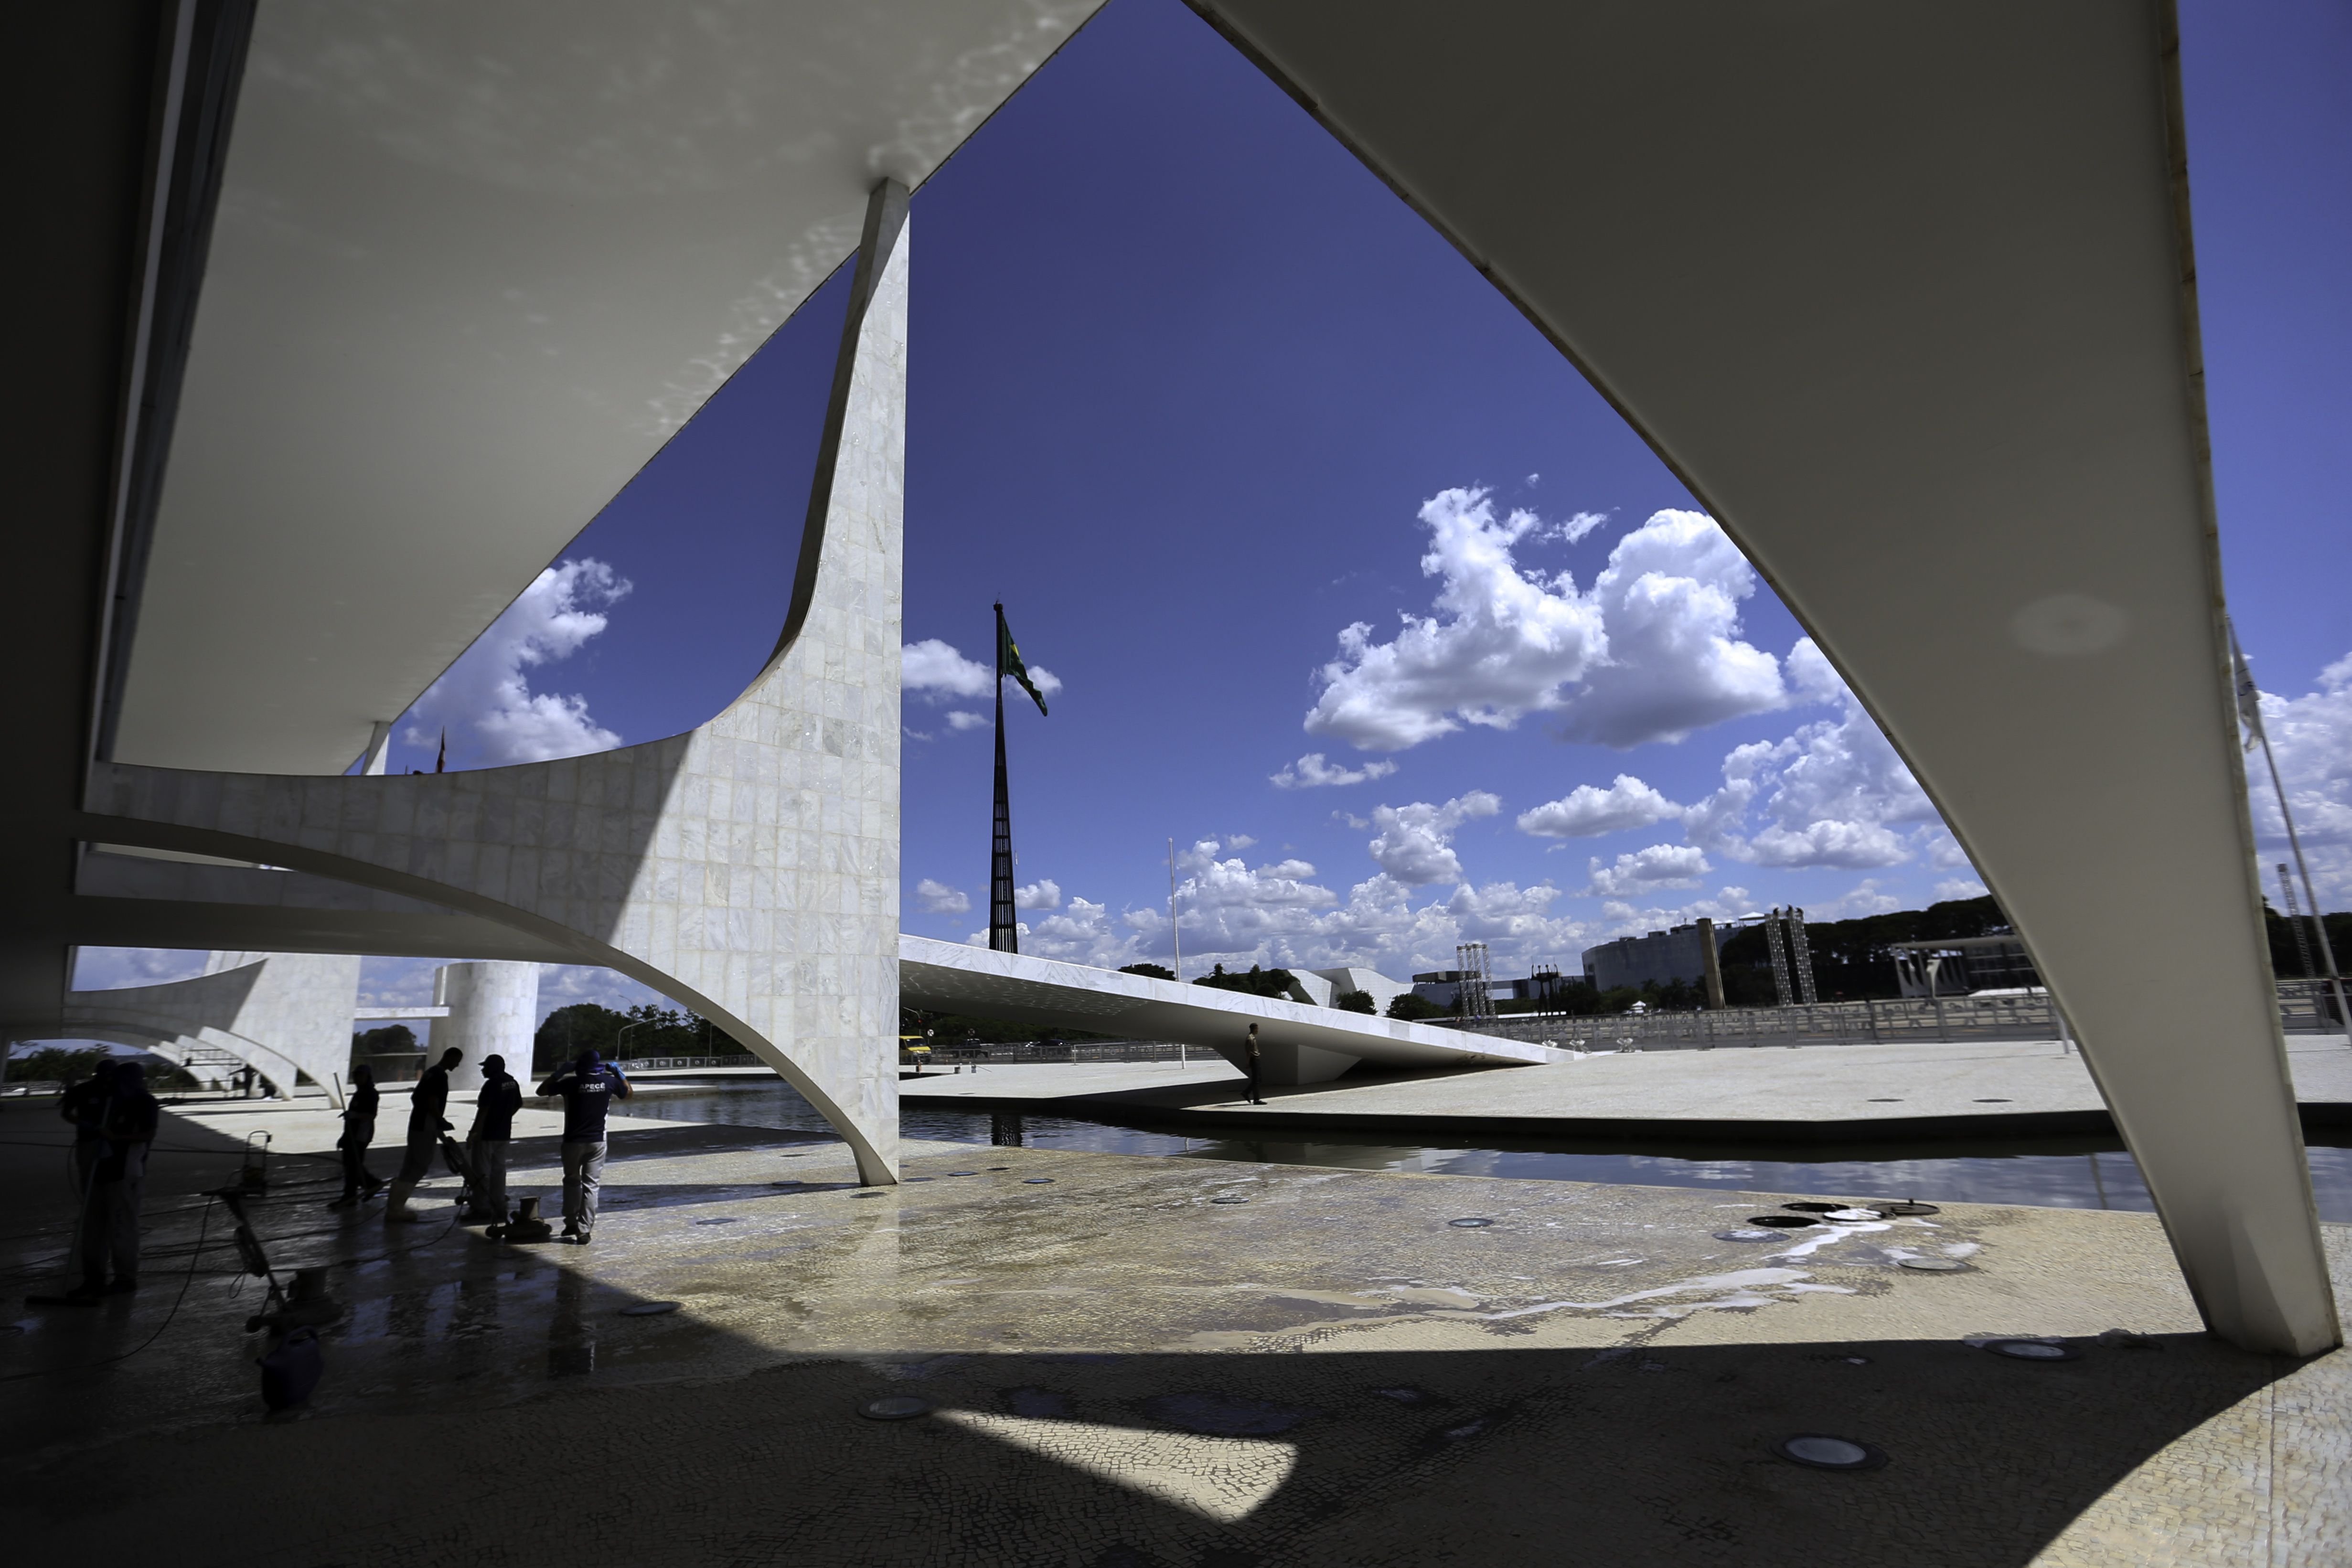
[[1904, 294]]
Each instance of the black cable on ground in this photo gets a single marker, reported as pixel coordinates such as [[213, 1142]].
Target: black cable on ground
[[187, 1280]]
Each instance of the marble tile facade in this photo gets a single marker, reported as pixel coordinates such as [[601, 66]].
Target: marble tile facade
[[747, 869]]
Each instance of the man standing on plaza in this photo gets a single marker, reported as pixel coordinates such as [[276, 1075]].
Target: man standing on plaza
[[427, 1120], [84, 1104], [109, 1216], [492, 1136], [589, 1085], [1249, 1047]]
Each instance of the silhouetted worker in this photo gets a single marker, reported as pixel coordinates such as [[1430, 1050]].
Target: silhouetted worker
[[1250, 1050], [427, 1120], [360, 1184], [492, 1136], [84, 1104], [110, 1218], [589, 1086]]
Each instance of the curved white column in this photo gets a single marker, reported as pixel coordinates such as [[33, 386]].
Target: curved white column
[[748, 868], [493, 1011], [1906, 295]]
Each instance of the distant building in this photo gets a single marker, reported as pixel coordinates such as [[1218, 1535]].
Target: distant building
[[1440, 987], [1960, 965], [1659, 959]]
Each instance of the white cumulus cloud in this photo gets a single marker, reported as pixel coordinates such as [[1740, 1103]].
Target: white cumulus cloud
[[1670, 600], [1659, 865], [487, 694], [933, 670], [938, 898], [1416, 843], [1652, 653], [958, 720], [1501, 644], [1042, 894], [2312, 737], [1588, 811], [1833, 793], [1311, 771]]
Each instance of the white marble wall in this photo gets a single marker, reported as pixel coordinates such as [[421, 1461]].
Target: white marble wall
[[288, 1015], [747, 869]]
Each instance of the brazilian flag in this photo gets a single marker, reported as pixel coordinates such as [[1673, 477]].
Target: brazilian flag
[[1008, 661]]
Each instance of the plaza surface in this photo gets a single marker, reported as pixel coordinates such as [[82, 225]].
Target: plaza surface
[[1799, 1094], [1134, 1360]]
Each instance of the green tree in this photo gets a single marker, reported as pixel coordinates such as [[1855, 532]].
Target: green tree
[[644, 1030], [1412, 1009], [1354, 1002], [1150, 971], [1256, 983]]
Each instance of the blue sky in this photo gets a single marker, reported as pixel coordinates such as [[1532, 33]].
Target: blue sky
[[1195, 396]]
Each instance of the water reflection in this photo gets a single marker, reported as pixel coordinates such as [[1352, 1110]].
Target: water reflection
[[2070, 1173], [571, 1342]]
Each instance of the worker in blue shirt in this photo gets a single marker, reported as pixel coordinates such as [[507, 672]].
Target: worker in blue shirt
[[589, 1085], [491, 1137]]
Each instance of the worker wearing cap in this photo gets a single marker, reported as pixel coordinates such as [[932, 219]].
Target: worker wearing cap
[[491, 1137], [589, 1085]]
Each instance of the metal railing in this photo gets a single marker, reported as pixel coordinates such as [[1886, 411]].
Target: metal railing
[[2303, 1009], [948, 1055]]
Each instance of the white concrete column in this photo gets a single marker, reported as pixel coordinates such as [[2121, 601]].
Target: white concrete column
[[493, 1011]]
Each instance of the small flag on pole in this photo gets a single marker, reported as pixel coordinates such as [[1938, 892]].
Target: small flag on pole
[[1008, 661], [441, 763]]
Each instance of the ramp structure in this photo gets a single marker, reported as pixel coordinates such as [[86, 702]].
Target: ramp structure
[[287, 1016], [1298, 1042]]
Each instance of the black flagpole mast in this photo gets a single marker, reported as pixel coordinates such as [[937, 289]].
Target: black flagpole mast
[[1003, 934]]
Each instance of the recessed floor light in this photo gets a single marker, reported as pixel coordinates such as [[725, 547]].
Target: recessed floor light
[[2030, 1350], [963, 1172], [1809, 1207], [1228, 1197], [895, 1407], [1819, 1450], [1000, 1167], [1883, 1099], [1036, 1181], [1473, 1223], [1995, 1100], [721, 1220], [649, 1309], [1933, 1265], [1896, 1211], [1783, 1221]]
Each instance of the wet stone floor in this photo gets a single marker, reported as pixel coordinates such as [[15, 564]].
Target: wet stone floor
[[1028, 1356]]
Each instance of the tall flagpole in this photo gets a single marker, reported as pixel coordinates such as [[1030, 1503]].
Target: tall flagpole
[[1003, 934], [2249, 709]]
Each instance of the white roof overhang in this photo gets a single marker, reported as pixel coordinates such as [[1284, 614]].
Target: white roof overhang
[[472, 264]]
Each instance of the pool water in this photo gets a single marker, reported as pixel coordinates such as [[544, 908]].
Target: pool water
[[2073, 1173]]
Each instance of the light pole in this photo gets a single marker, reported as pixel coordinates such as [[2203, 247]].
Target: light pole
[[621, 1042]]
